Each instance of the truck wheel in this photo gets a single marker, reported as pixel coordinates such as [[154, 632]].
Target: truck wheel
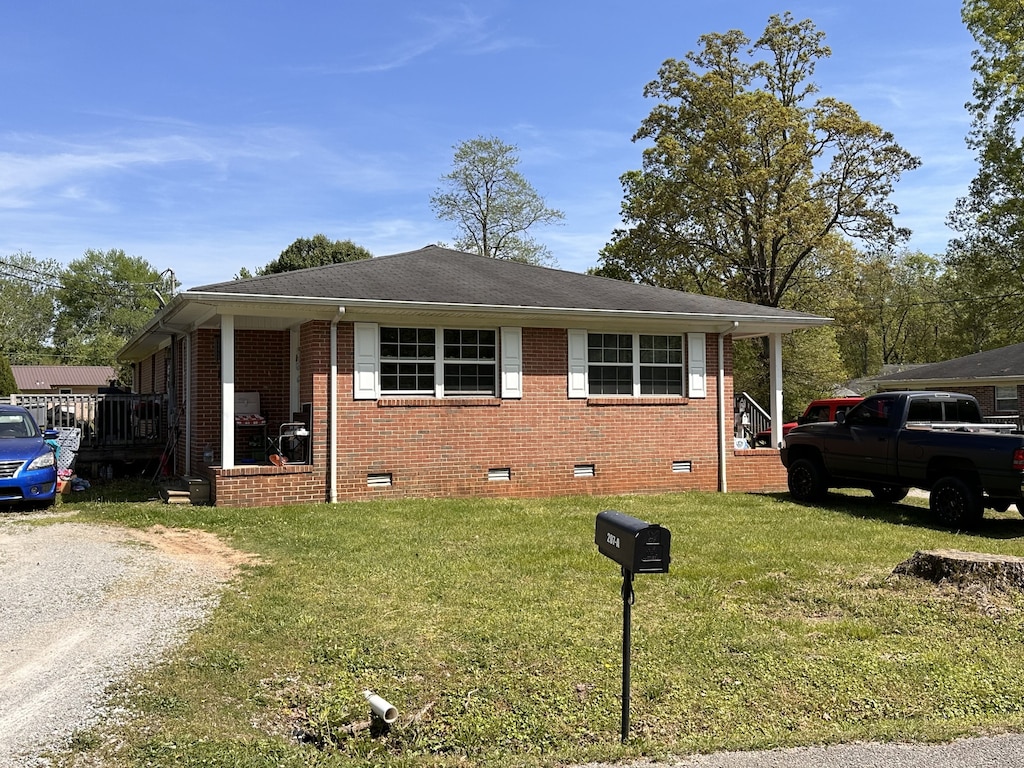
[[890, 494], [956, 503], [806, 480]]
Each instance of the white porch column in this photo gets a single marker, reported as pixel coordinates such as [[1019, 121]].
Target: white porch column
[[227, 389], [775, 373], [186, 374]]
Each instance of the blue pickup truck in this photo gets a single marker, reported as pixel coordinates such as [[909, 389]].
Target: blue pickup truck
[[895, 441]]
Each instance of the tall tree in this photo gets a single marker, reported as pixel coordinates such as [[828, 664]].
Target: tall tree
[[316, 251], [492, 205], [750, 183], [896, 314], [104, 298], [28, 288], [990, 218], [7, 383], [748, 179]]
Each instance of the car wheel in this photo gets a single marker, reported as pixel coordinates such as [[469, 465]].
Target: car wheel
[[806, 480], [955, 503], [890, 494]]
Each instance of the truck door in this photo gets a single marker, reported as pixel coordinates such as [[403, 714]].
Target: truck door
[[864, 447]]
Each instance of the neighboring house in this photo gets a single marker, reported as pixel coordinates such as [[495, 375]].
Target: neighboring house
[[63, 379], [440, 373], [995, 378]]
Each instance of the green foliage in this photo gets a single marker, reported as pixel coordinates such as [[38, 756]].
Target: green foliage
[[27, 294], [316, 251], [7, 384], [491, 204], [494, 627], [747, 181], [811, 368], [896, 315], [985, 259], [103, 300], [751, 186]]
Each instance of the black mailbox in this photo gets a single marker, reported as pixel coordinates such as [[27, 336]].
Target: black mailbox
[[637, 546]]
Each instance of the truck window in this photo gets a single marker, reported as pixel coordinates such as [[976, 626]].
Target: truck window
[[925, 410], [963, 410], [934, 411], [871, 413], [816, 414]]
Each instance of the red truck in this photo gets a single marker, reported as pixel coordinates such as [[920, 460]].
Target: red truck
[[825, 409]]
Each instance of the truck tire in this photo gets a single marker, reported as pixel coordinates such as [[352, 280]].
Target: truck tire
[[806, 480], [890, 494], [955, 502]]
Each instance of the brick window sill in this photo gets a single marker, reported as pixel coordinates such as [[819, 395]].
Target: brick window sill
[[439, 402], [601, 402]]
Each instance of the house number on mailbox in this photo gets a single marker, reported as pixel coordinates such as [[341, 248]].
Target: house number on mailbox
[[614, 541]]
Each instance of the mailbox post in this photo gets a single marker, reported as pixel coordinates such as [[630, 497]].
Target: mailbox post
[[637, 547]]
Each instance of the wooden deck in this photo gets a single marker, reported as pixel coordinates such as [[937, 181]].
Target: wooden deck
[[128, 429]]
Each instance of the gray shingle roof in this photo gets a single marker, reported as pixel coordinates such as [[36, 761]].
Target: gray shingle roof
[[995, 363], [443, 276]]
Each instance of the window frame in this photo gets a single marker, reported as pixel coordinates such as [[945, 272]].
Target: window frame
[[440, 361], [636, 364], [1000, 402]]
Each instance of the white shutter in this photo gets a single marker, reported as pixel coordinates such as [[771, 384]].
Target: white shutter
[[577, 362], [365, 365], [697, 364], [512, 362]]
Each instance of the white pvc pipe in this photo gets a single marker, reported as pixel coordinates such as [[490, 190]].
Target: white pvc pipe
[[381, 708]]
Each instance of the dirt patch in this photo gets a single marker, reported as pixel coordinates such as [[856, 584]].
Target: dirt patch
[[202, 547]]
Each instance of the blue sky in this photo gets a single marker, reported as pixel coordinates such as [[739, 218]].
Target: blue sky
[[207, 136]]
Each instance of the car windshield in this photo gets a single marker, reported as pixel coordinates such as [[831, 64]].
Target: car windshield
[[16, 425]]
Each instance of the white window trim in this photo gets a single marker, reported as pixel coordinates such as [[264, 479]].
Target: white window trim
[[696, 365], [694, 368], [367, 363]]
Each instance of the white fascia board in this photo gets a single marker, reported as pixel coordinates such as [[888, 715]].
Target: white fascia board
[[738, 324]]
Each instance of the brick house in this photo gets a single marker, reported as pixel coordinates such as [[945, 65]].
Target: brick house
[[995, 378], [440, 373]]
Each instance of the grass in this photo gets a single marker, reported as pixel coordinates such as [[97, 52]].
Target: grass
[[499, 624]]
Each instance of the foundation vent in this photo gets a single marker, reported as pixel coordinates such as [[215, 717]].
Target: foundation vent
[[501, 473], [583, 470], [379, 480], [682, 466]]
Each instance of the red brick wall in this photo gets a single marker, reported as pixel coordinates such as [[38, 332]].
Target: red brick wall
[[446, 447], [441, 448], [756, 471]]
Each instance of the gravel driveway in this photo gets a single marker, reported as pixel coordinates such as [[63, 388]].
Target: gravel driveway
[[83, 605]]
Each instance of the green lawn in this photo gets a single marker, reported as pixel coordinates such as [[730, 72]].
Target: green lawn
[[499, 624]]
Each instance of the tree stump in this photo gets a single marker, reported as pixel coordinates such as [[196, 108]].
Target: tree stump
[[951, 566]]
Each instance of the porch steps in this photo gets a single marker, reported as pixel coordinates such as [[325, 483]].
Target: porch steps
[[174, 496], [186, 490]]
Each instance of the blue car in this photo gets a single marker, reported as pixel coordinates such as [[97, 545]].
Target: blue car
[[28, 466]]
